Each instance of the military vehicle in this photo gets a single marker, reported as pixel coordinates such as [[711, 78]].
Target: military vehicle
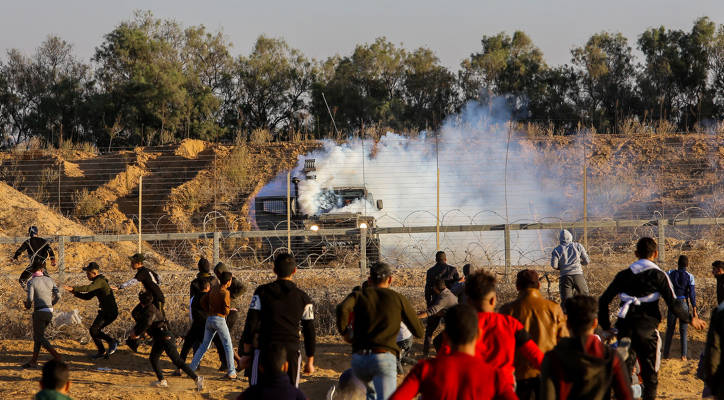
[[271, 214]]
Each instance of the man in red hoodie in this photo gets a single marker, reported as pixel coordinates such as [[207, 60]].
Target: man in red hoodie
[[460, 375], [501, 335], [581, 367]]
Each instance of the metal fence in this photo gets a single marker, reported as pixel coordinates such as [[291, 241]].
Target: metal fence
[[456, 191], [358, 251]]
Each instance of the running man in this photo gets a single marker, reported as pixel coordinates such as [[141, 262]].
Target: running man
[[275, 314], [149, 278], [639, 287], [38, 250], [42, 295], [107, 307], [152, 322]]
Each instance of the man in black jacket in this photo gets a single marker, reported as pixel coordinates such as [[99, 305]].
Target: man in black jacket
[[38, 250], [276, 311], [107, 308], [639, 287], [441, 270], [150, 320], [149, 278]]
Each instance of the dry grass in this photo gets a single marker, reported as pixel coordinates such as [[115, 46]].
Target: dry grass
[[261, 136], [86, 203]]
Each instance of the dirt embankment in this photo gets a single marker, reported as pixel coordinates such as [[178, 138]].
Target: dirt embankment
[[19, 211]]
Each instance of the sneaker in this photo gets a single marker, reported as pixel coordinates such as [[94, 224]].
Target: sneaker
[[231, 376], [161, 383], [200, 383], [113, 347], [98, 355]]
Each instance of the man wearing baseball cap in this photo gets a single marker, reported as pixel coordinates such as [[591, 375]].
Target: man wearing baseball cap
[[378, 311], [149, 278], [107, 308]]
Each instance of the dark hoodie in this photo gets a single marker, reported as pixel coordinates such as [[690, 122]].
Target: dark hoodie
[[571, 372], [275, 313]]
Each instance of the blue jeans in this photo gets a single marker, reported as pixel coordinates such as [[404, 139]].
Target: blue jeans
[[215, 325], [378, 372], [671, 325]]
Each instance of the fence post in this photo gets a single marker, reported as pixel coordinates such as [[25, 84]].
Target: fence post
[[363, 250], [507, 252], [61, 258], [217, 237], [662, 241]]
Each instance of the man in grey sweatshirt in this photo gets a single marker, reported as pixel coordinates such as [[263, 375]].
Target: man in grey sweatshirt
[[568, 258], [42, 295]]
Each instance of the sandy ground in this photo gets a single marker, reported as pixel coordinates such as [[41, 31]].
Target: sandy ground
[[130, 375]]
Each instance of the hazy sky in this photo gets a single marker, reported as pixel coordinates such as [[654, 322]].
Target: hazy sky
[[321, 28]]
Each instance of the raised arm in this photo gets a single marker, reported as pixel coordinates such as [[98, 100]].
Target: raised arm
[[19, 251]]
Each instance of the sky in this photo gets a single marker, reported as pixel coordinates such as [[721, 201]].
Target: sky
[[322, 28]]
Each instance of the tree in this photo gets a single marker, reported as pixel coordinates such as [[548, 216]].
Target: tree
[[506, 66], [269, 89], [606, 70], [429, 91], [365, 88], [673, 83], [142, 79]]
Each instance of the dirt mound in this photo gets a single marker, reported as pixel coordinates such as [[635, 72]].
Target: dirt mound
[[190, 148], [19, 211], [71, 170]]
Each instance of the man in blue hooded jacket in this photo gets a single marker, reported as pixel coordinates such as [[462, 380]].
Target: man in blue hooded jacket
[[568, 258]]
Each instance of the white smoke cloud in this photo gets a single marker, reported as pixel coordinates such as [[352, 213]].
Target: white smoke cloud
[[470, 150]]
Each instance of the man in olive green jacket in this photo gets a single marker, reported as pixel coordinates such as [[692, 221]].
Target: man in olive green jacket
[[107, 308]]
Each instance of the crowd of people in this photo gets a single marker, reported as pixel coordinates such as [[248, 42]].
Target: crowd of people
[[529, 348]]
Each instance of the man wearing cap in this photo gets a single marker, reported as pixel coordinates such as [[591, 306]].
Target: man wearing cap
[[150, 280], [378, 311], [107, 308], [543, 320], [38, 251]]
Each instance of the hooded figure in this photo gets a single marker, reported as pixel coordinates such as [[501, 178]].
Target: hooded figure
[[568, 258]]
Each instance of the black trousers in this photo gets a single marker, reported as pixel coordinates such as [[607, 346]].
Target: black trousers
[[646, 347], [528, 389], [41, 320], [294, 358], [432, 323], [103, 319], [165, 343]]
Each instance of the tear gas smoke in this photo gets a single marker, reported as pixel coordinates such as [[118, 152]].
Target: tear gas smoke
[[476, 155]]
